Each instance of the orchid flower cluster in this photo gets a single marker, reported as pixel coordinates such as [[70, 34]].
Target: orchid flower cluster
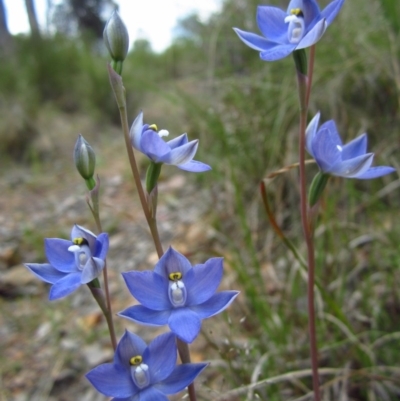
[[175, 293], [291, 31]]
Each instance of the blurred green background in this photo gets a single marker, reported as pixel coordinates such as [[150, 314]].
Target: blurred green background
[[244, 111]]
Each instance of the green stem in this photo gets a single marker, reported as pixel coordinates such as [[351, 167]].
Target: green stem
[[184, 353], [304, 85], [117, 66], [119, 91], [98, 295], [107, 311]]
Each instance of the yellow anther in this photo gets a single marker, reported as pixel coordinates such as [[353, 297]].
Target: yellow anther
[[297, 12], [153, 127], [136, 360], [80, 241], [175, 276]]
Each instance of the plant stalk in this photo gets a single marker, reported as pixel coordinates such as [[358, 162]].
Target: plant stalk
[[98, 295], [304, 88], [184, 354], [119, 92], [94, 187]]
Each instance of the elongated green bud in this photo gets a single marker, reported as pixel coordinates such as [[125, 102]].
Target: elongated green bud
[[116, 39], [300, 59], [84, 158], [152, 174], [317, 188]]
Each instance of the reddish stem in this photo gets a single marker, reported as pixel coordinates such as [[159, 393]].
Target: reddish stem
[[304, 86]]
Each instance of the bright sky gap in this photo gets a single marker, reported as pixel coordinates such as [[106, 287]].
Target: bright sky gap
[[153, 19]]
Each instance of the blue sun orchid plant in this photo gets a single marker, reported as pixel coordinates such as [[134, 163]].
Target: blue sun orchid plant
[[177, 294], [301, 26], [71, 263], [349, 161], [178, 151], [144, 373]]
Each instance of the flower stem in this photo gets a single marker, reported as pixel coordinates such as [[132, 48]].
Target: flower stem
[[119, 91], [98, 295], [94, 187], [184, 353], [304, 88]]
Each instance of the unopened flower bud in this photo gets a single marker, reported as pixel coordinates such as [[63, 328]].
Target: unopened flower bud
[[116, 38], [85, 158]]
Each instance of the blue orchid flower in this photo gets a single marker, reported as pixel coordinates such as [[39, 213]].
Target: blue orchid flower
[[177, 294], [144, 373], [71, 263], [177, 152], [301, 26], [349, 161]]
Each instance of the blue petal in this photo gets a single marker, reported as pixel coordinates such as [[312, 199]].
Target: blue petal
[[80, 232], [203, 280], [65, 286], [351, 168], [330, 125], [153, 146], [172, 262], [354, 148], [277, 52], [216, 304], [92, 269], [101, 248], [135, 132], [314, 35], [194, 166], [151, 394], [325, 148], [181, 377], [59, 256], [375, 172], [178, 141], [149, 288], [309, 8], [331, 10], [271, 22], [129, 345], [141, 314], [182, 154], [311, 132], [254, 41], [112, 381], [45, 272], [185, 324], [161, 356]]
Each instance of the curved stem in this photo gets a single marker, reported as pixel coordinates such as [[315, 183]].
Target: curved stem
[[98, 295], [94, 187], [304, 85], [119, 92], [151, 221], [184, 353]]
